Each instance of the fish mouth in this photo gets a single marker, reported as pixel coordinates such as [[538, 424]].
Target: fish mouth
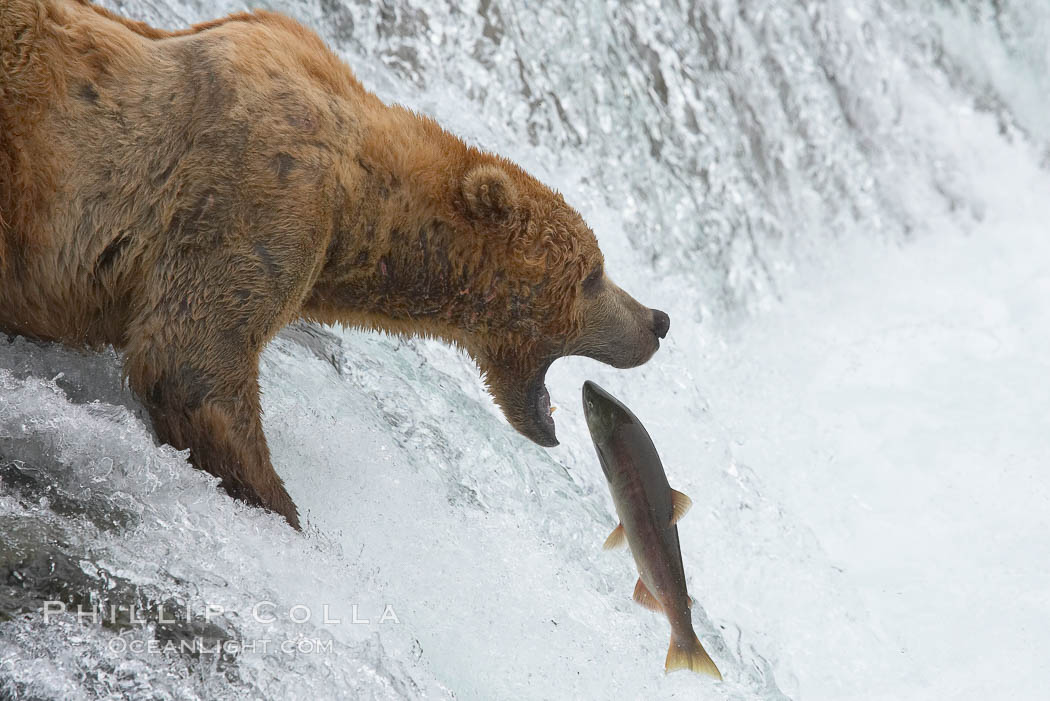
[[593, 414], [590, 388], [595, 398], [604, 413]]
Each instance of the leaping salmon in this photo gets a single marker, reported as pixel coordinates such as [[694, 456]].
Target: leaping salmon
[[648, 509]]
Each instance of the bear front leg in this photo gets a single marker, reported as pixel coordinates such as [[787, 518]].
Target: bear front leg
[[193, 346], [218, 420], [215, 413]]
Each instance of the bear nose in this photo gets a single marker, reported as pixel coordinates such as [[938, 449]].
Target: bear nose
[[661, 323]]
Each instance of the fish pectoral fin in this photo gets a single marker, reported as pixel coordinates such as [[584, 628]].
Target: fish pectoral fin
[[616, 539], [680, 504], [645, 597]]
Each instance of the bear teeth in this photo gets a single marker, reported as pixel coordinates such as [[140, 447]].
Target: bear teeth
[[544, 402]]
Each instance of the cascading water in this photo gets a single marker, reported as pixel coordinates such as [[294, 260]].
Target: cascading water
[[841, 205]]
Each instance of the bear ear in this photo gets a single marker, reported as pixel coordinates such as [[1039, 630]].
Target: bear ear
[[489, 193]]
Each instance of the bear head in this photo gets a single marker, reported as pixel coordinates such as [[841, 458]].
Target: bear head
[[547, 295]]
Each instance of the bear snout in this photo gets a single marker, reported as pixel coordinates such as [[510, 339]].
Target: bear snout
[[661, 323]]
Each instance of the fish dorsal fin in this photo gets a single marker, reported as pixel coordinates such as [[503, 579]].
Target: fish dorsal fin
[[616, 539], [645, 597], [680, 504]]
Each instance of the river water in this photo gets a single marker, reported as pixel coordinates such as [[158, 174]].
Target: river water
[[843, 208]]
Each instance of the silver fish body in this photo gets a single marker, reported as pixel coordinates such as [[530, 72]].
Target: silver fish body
[[648, 509]]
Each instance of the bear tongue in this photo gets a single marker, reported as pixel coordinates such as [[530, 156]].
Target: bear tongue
[[540, 425], [543, 411], [543, 403]]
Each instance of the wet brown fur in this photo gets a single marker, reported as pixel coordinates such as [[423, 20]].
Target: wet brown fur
[[183, 195]]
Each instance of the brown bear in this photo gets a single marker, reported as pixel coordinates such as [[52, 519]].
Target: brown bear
[[183, 195]]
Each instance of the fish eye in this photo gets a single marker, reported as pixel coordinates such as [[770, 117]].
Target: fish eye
[[590, 404]]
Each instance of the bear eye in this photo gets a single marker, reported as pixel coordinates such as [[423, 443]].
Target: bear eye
[[593, 282]]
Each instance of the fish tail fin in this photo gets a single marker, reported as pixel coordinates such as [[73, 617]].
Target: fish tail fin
[[690, 654]]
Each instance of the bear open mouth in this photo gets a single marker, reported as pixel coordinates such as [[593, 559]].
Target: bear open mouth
[[542, 429]]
